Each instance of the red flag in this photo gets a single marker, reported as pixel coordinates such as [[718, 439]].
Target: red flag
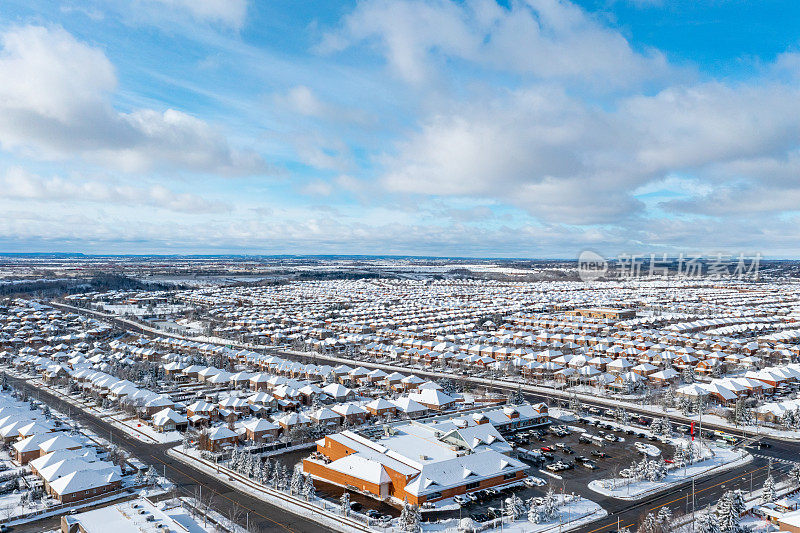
[[692, 430]]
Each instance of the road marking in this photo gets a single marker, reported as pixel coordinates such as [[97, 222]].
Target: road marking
[[710, 487]]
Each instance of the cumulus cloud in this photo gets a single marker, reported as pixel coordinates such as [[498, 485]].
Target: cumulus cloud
[[565, 160], [19, 184], [302, 100], [55, 103], [231, 13], [550, 39]]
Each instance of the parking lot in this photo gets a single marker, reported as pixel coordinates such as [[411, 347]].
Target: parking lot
[[591, 440], [566, 446]]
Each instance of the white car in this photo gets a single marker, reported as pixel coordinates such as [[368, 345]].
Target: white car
[[461, 500], [532, 481]]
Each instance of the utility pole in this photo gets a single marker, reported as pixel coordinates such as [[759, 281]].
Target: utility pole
[[692, 504]]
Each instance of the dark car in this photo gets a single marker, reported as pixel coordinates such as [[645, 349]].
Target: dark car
[[600, 454], [355, 506]]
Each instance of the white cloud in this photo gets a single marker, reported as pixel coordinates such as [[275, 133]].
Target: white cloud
[[568, 161], [304, 101], [550, 39], [55, 103], [231, 13], [18, 184]]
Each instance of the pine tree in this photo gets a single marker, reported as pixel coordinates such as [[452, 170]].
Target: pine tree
[[737, 502], [649, 525], [233, 461], [308, 488], [344, 504], [768, 494], [729, 510], [534, 514], [266, 472], [152, 476], [550, 505], [664, 516], [795, 474], [679, 459], [284, 477], [706, 523], [513, 507], [296, 485], [410, 518], [275, 479], [669, 397]]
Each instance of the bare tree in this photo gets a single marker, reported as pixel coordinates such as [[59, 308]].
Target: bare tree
[[235, 513]]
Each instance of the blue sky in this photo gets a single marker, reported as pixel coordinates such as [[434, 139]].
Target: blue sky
[[535, 128]]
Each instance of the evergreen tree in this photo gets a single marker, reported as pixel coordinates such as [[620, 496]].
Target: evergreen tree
[[664, 516], [296, 485], [737, 502], [344, 504], [152, 476], [308, 488], [706, 523], [534, 514], [649, 525], [550, 505], [679, 459], [729, 510], [275, 478], [768, 494], [513, 507], [795, 474], [668, 399], [410, 518]]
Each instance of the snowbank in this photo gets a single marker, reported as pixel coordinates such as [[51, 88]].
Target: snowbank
[[715, 458]]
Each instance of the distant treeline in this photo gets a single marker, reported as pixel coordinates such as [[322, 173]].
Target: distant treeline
[[98, 282]]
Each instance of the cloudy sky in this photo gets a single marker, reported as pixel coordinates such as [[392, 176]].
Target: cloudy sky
[[531, 128]]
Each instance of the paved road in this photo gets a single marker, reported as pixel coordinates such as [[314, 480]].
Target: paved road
[[707, 491], [261, 516], [535, 392], [679, 499]]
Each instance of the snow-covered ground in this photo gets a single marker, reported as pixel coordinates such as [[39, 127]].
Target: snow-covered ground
[[317, 510], [116, 418], [573, 512], [715, 458]]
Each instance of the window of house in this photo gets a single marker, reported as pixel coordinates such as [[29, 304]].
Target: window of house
[[510, 475], [434, 495], [473, 485]]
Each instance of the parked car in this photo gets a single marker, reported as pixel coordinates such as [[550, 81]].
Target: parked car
[[461, 500], [532, 481]]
